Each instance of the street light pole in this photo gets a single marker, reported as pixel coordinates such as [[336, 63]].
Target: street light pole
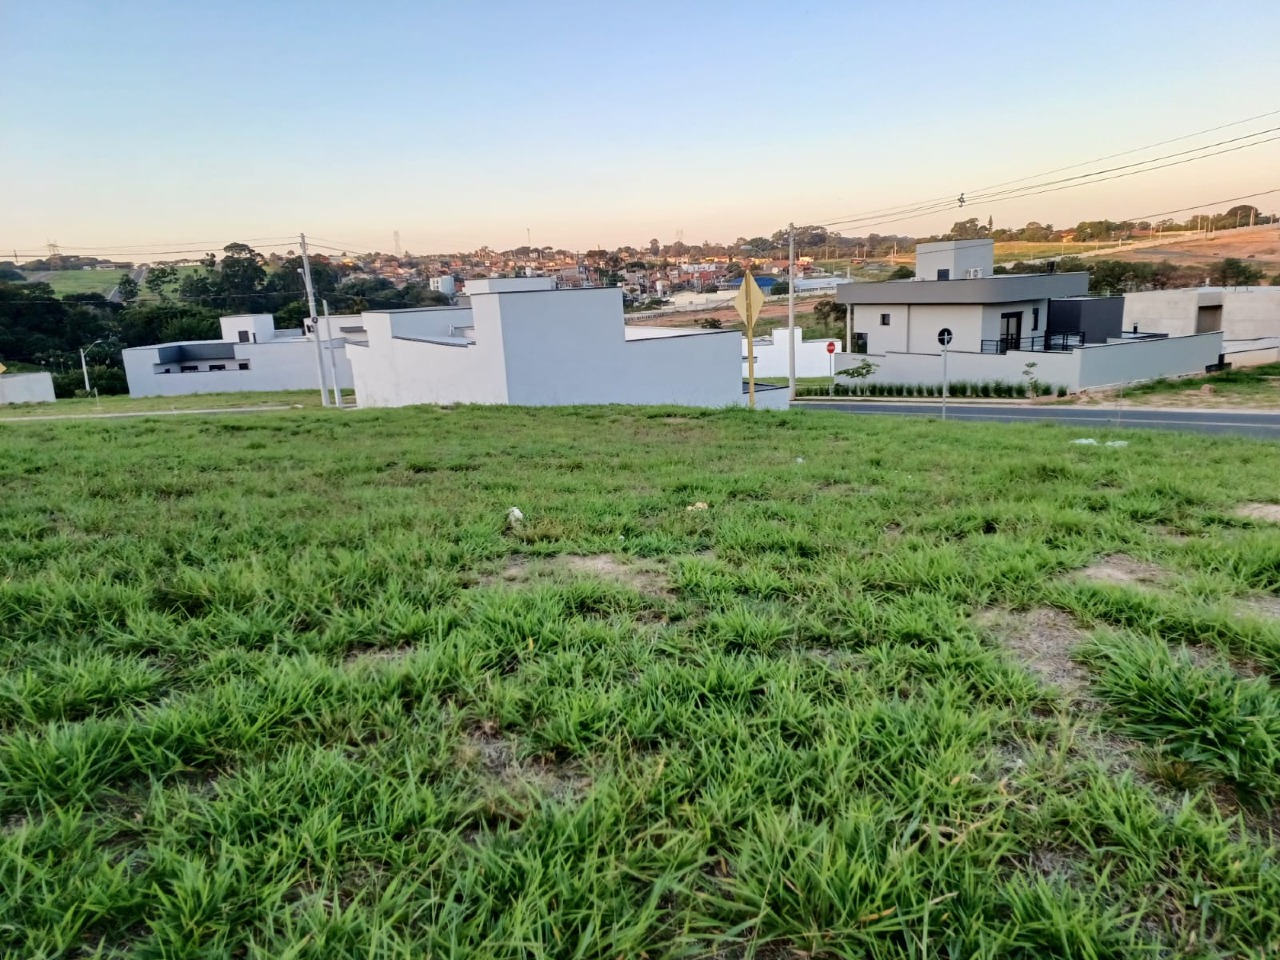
[[315, 323], [84, 367], [791, 312]]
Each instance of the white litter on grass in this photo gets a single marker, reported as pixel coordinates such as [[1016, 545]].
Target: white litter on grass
[[514, 516], [1086, 440], [700, 505], [799, 459], [1117, 443]]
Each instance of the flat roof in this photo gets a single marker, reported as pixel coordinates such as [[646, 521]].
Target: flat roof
[[1002, 288]]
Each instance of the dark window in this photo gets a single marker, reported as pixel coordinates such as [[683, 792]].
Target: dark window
[[944, 273], [244, 364], [185, 369], [1035, 318], [244, 336], [168, 370], [217, 366], [884, 319]]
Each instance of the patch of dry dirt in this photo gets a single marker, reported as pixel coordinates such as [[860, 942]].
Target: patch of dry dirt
[[376, 654], [495, 754], [1268, 607], [1259, 511], [1043, 639], [643, 578], [608, 567], [1124, 570]]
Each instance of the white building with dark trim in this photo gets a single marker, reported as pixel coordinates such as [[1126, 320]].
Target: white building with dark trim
[[997, 324], [251, 356]]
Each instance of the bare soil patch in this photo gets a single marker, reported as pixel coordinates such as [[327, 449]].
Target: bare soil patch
[[1268, 607], [1043, 639], [1122, 569], [496, 756], [608, 567], [1269, 512], [643, 578]]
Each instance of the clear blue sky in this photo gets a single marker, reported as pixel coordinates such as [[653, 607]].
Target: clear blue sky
[[132, 121]]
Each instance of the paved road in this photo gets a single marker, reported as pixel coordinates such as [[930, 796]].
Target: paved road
[[138, 273], [1096, 418]]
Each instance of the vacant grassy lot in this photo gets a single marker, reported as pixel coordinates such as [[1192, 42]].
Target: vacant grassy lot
[[1012, 251], [68, 282], [1254, 387], [91, 406], [289, 685]]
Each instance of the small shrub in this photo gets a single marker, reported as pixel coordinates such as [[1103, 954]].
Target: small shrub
[[985, 389], [1062, 391]]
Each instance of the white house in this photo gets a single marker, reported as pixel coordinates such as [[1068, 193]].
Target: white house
[[251, 356], [1248, 317], [773, 360], [26, 388], [997, 324], [522, 341]]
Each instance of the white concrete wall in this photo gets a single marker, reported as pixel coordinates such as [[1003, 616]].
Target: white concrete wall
[[812, 359], [771, 399], [914, 328], [26, 388], [958, 256], [260, 326], [276, 365], [1058, 369], [567, 348], [1162, 311], [543, 347], [1249, 312], [393, 372], [1130, 361], [510, 284], [882, 339]]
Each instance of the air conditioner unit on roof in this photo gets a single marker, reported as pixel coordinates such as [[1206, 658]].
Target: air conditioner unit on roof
[[974, 273]]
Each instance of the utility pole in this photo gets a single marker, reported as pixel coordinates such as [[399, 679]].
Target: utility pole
[[791, 313], [333, 363], [311, 310]]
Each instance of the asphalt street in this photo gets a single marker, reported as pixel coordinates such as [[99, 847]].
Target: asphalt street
[[1199, 421]]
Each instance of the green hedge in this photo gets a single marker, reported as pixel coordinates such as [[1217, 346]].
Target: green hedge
[[957, 390]]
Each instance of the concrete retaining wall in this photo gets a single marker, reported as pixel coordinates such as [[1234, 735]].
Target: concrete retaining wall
[[26, 388]]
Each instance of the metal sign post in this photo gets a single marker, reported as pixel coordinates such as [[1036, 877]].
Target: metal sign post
[[748, 303], [944, 338], [831, 352]]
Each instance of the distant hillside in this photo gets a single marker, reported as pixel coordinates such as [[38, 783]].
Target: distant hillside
[[1260, 245]]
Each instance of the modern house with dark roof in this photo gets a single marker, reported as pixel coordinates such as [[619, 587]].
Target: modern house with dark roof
[[994, 325]]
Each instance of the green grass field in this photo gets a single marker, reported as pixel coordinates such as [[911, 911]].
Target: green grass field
[[1014, 250], [67, 282], [171, 289], [783, 685], [90, 406]]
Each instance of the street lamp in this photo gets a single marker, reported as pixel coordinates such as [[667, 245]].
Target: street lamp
[[791, 305], [84, 367]]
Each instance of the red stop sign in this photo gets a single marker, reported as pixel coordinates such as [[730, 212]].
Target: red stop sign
[[831, 346]]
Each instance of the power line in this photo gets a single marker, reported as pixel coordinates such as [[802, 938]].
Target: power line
[[919, 204], [1249, 136], [1030, 190]]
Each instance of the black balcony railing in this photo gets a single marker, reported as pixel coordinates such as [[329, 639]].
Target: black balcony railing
[[1052, 342]]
